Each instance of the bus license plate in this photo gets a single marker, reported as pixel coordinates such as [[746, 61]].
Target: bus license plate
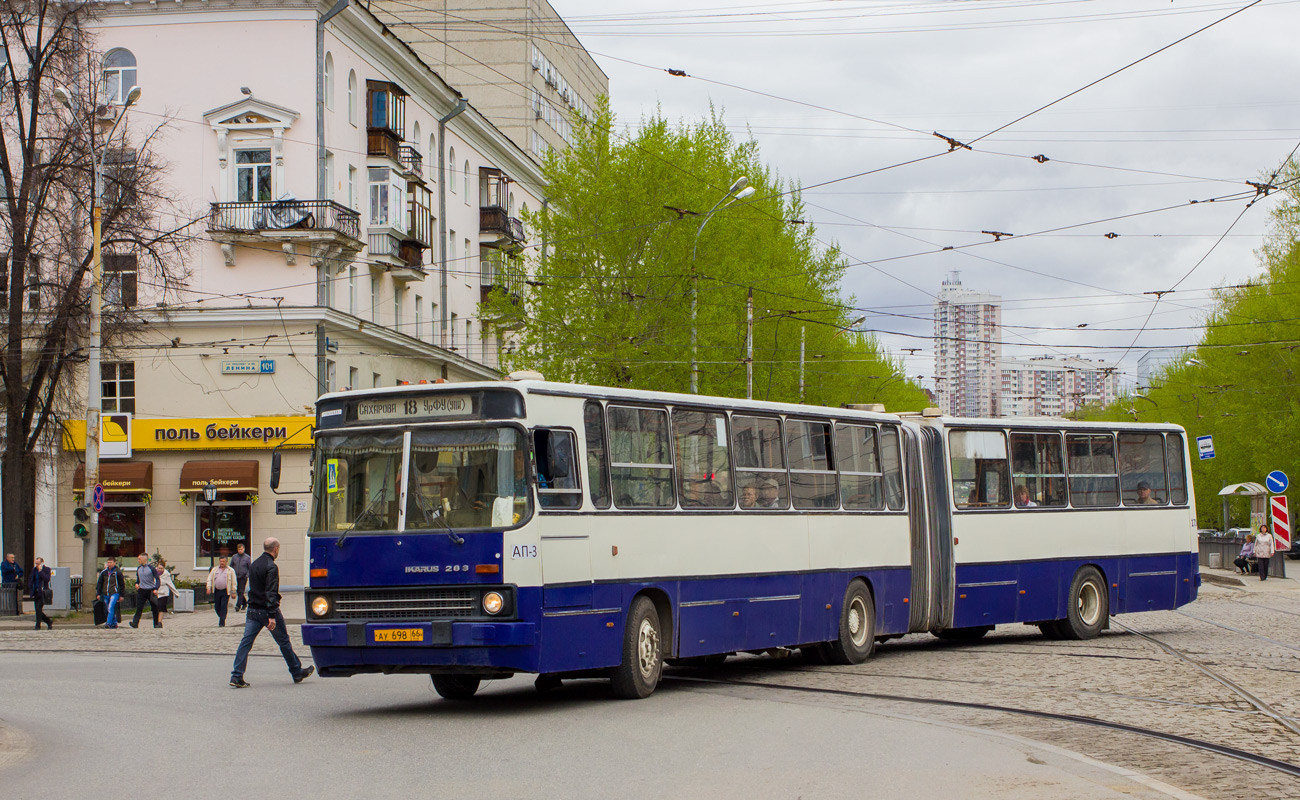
[[400, 635]]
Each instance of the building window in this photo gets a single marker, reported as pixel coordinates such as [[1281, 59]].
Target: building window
[[469, 259], [121, 531], [352, 187], [374, 299], [397, 308], [352, 290], [352, 96], [353, 377], [419, 317], [329, 176], [119, 75], [119, 177], [331, 376], [465, 178], [455, 318], [253, 176], [433, 157], [120, 279], [375, 380], [117, 385], [221, 527], [329, 81], [433, 320], [387, 195], [451, 161], [387, 109]]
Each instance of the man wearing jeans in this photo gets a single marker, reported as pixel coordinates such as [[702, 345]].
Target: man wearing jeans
[[264, 610], [110, 587], [240, 562], [146, 586]]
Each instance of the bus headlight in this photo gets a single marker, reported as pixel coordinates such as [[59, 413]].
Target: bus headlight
[[320, 605], [493, 602]]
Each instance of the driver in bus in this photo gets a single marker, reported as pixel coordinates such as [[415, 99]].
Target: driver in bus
[[1144, 497]]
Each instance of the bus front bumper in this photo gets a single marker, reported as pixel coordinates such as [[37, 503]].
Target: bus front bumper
[[419, 635]]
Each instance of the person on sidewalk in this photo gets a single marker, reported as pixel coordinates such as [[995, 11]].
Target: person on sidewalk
[[167, 590], [241, 562], [1263, 552], [146, 588], [38, 583], [1242, 561], [110, 587], [264, 611], [221, 582], [10, 570]]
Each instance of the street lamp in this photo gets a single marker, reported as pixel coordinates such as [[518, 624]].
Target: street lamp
[[94, 399], [738, 191], [855, 323]]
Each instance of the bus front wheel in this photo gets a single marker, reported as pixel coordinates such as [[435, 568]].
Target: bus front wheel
[[638, 675], [857, 627], [455, 687]]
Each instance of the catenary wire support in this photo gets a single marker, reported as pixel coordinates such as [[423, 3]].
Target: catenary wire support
[[953, 144]]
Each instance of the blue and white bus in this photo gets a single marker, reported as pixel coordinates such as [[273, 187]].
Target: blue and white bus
[[478, 530]]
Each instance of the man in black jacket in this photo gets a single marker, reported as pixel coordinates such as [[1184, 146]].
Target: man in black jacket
[[264, 610], [110, 587]]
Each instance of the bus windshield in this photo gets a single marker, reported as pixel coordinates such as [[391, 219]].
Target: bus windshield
[[459, 478]]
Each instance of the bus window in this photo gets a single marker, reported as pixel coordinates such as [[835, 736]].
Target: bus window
[[703, 459], [979, 469], [1177, 476], [640, 470], [593, 418], [859, 462], [1093, 479], [891, 460], [358, 483], [466, 479], [1037, 470], [760, 462], [557, 477], [1142, 469], [812, 476]]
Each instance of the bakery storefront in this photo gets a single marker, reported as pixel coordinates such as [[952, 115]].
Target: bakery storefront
[[192, 490]]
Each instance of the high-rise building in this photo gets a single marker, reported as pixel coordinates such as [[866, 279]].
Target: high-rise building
[[1152, 363], [967, 349], [1054, 387], [516, 61]]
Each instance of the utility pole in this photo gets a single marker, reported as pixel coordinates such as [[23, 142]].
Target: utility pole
[[802, 330], [749, 345], [94, 397]]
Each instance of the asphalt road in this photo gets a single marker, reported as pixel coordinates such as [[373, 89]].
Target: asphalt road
[[93, 725]]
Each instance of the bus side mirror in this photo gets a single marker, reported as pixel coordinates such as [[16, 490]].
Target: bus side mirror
[[557, 457], [275, 470]]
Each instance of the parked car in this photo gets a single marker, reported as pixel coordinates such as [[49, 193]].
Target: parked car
[[1209, 532], [1240, 532]]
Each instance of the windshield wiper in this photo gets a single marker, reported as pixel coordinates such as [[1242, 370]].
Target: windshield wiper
[[436, 513]]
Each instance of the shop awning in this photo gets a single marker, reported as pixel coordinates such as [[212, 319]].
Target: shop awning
[[118, 476], [227, 476]]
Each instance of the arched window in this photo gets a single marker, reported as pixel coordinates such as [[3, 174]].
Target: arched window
[[451, 160], [510, 205], [433, 157], [352, 96], [329, 80], [119, 75], [415, 142], [466, 176]]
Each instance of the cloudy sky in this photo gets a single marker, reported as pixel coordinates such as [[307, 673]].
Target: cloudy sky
[[1191, 123]]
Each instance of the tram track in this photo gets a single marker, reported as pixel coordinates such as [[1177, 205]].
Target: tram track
[[1276, 765]]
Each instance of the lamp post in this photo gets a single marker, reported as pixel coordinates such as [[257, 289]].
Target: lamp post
[[738, 191], [210, 497], [94, 400]]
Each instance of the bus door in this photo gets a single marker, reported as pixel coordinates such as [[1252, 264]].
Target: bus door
[[931, 527], [565, 548]]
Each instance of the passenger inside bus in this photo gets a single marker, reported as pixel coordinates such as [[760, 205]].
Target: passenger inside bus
[[748, 496], [1023, 499]]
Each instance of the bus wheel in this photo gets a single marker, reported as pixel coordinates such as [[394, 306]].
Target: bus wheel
[[1089, 606], [963, 634], [643, 662], [857, 627], [455, 687]]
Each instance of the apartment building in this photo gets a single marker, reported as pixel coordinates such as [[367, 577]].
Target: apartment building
[[518, 59], [968, 349], [1054, 387], [355, 209]]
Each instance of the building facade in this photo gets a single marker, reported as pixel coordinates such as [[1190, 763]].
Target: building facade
[[1152, 363], [526, 70], [968, 348], [355, 209], [1054, 387]]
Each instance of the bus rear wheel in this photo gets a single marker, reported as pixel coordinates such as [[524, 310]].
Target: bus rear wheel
[[455, 687], [1089, 606], [857, 627], [643, 662]]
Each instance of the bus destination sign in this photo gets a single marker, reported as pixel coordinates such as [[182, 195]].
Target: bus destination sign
[[407, 408]]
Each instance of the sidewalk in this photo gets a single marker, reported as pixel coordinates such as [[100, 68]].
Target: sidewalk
[[291, 605], [1231, 579]]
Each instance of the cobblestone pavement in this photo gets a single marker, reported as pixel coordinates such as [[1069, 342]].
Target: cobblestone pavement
[[1117, 677]]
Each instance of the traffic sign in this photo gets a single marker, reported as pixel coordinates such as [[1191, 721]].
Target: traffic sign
[[1277, 481], [97, 498], [1281, 523], [1205, 446]]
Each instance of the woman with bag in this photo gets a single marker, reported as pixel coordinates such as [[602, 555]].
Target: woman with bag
[[166, 587], [38, 583]]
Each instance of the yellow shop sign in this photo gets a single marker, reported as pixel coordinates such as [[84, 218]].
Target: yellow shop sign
[[208, 433]]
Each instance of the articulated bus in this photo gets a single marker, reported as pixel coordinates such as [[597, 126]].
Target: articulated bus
[[478, 530]]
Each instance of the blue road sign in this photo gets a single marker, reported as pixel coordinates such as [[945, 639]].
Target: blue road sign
[[1205, 446], [97, 498], [1277, 481]]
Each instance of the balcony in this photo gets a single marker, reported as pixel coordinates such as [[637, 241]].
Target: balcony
[[402, 258], [332, 229], [510, 230], [412, 162]]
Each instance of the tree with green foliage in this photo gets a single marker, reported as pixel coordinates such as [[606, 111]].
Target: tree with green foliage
[[622, 250], [1240, 384]]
